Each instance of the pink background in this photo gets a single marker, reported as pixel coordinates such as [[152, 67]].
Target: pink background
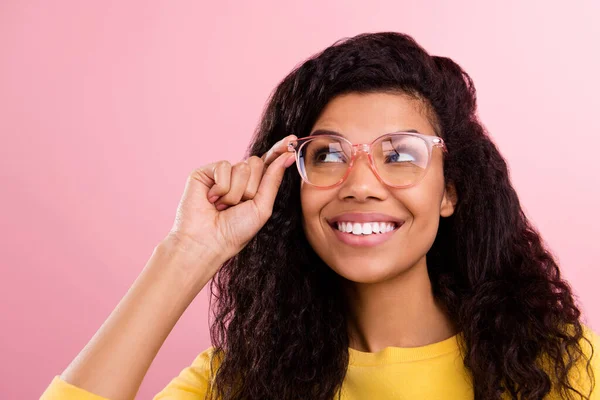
[[105, 107]]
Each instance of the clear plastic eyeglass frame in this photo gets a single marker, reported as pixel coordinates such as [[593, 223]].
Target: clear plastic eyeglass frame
[[430, 141]]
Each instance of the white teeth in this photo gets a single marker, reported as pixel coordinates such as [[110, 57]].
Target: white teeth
[[375, 227], [367, 228]]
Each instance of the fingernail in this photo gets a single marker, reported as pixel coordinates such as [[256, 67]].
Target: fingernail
[[221, 207], [212, 199]]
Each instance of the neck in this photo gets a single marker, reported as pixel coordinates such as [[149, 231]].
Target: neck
[[399, 312]]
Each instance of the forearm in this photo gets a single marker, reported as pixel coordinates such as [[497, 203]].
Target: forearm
[[115, 361]]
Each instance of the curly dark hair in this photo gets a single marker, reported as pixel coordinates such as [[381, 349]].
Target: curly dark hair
[[279, 327]]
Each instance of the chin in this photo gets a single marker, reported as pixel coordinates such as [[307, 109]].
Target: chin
[[364, 272]]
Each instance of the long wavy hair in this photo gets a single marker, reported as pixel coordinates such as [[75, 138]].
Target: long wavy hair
[[279, 316]]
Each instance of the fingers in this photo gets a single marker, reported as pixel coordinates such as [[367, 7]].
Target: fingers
[[220, 173], [269, 185], [240, 173], [236, 183], [229, 185], [278, 149], [256, 172]]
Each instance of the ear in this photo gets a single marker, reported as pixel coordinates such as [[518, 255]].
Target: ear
[[448, 201]]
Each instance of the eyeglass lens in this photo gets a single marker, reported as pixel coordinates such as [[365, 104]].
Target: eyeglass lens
[[400, 160]]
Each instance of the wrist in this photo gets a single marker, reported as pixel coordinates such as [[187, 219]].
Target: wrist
[[187, 248], [191, 263]]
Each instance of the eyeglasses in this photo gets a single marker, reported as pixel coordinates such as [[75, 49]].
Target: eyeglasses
[[398, 159]]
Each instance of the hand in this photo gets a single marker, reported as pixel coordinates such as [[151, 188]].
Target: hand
[[223, 206]]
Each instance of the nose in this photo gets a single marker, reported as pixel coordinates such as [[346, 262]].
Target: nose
[[362, 183]]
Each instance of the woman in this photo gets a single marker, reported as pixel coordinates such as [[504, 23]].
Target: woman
[[396, 262]]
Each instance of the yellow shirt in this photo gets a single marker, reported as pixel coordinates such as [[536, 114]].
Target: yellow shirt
[[431, 372]]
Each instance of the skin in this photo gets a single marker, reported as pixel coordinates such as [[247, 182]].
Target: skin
[[387, 286]]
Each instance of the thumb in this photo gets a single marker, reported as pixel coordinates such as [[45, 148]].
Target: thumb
[[271, 180]]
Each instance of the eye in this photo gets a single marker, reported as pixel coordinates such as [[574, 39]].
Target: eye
[[328, 156], [399, 156]]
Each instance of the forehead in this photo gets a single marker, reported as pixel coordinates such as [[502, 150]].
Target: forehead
[[363, 117]]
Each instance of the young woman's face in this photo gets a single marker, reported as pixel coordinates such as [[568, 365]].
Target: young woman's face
[[361, 118]]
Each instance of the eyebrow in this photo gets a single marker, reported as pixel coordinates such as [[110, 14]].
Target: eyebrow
[[334, 133]]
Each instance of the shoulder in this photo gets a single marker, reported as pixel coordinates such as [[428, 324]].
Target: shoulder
[[205, 358], [194, 379], [594, 341], [207, 362], [590, 346], [588, 367]]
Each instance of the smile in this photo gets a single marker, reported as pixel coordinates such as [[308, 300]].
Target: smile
[[365, 228], [365, 234]]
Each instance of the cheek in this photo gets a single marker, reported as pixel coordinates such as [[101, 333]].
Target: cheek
[[423, 202], [425, 198], [309, 208], [313, 201]]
